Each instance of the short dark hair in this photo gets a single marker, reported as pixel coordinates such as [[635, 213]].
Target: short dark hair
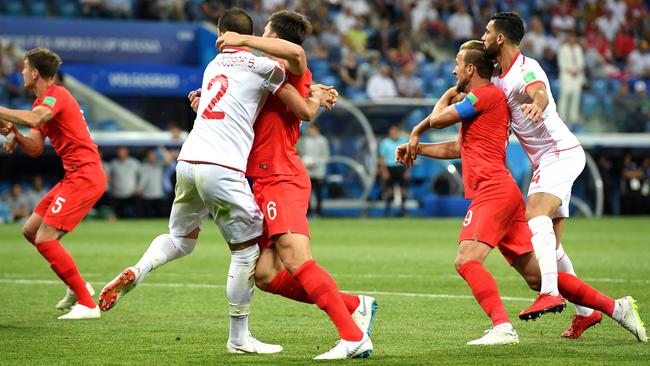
[[235, 20], [511, 25], [290, 26], [45, 61], [475, 55]]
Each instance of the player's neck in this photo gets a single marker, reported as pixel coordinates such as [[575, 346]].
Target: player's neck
[[477, 82], [507, 57], [41, 86]]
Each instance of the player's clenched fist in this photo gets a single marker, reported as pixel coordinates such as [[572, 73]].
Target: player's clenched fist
[[532, 111], [325, 93], [195, 98], [401, 155]]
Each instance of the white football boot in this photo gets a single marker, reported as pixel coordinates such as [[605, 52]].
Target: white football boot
[[630, 318], [79, 311], [364, 314], [253, 346], [500, 335], [118, 287], [70, 298], [348, 349]]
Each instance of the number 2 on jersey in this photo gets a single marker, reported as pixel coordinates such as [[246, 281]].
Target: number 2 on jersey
[[208, 113]]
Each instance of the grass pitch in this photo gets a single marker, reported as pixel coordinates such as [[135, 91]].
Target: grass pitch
[[426, 313]]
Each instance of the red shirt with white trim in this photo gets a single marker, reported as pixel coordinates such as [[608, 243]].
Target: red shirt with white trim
[[67, 129]]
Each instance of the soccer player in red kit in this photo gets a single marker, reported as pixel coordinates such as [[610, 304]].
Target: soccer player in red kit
[[282, 190], [496, 217], [57, 116]]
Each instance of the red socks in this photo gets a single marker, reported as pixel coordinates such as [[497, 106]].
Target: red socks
[[285, 285], [485, 291], [320, 287], [578, 292], [64, 266]]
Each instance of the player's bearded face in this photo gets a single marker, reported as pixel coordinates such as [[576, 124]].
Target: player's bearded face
[[491, 49]]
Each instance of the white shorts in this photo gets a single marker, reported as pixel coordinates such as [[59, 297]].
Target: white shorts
[[555, 175], [223, 192]]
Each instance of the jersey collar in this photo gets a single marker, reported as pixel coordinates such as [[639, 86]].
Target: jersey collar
[[503, 74], [233, 50]]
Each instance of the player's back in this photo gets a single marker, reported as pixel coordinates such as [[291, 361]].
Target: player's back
[[536, 138], [484, 140], [277, 131], [234, 88], [67, 129]]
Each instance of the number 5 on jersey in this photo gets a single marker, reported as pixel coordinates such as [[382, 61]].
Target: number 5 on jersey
[[210, 111], [58, 205]]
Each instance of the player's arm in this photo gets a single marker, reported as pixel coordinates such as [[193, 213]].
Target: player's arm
[[32, 143], [276, 47], [537, 92], [441, 150], [31, 119], [304, 108]]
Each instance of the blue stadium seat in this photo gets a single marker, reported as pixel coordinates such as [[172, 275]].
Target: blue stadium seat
[[590, 105], [447, 69], [66, 8], [38, 8], [13, 7], [614, 86], [555, 88], [356, 94], [319, 66], [599, 87], [328, 79], [439, 87], [109, 125], [415, 117]]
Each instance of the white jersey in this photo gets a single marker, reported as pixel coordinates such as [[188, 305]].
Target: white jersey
[[235, 86], [537, 139]]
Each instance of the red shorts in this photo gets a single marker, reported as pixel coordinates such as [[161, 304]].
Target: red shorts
[[66, 204], [497, 217], [284, 200]]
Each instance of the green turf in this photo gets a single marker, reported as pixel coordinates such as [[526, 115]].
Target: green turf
[[167, 325]]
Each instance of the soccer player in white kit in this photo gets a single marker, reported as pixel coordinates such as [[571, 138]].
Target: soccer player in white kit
[[555, 154], [210, 177]]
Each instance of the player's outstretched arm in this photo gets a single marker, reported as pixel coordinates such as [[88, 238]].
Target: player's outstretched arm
[[441, 150], [32, 144], [447, 117], [31, 119], [303, 108], [276, 47]]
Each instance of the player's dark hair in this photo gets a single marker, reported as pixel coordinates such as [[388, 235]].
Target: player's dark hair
[[475, 55], [235, 20], [45, 61], [290, 26], [510, 25]]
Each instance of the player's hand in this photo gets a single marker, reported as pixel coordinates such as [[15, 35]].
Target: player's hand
[[401, 155], [332, 94], [195, 98], [6, 128], [229, 39], [10, 142], [532, 111], [412, 149]]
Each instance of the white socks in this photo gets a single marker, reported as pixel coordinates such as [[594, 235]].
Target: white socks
[[164, 248], [618, 311], [544, 245], [564, 265], [239, 290]]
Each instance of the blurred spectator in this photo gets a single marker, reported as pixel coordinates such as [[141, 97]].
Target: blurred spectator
[[632, 177], [259, 16], [392, 173], [563, 21], [460, 25], [105, 203], [271, 6], [595, 64], [351, 75], [423, 12], [638, 62], [371, 67], [618, 9], [384, 38], [169, 176], [9, 58], [549, 63], [18, 203], [36, 193], [15, 84], [315, 152], [93, 8], [357, 36], [409, 85], [345, 20], [608, 24], [571, 64], [645, 186], [534, 40], [121, 9], [358, 7], [124, 178], [644, 105], [623, 44], [627, 109], [381, 85], [177, 134], [152, 202]]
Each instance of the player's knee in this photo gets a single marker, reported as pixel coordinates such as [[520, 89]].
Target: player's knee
[[183, 244], [460, 261], [29, 234]]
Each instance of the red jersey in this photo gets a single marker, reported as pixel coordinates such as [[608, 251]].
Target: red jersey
[[67, 129], [277, 131], [484, 136]]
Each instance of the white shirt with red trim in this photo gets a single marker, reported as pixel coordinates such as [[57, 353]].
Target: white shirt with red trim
[[537, 139], [235, 86]]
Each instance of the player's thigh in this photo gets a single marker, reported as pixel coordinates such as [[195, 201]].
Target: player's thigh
[[188, 209], [549, 192], [228, 197], [489, 216], [294, 250], [284, 201]]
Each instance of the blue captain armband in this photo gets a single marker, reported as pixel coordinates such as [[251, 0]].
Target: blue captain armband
[[465, 107]]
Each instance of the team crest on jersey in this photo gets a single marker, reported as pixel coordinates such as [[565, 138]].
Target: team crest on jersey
[[529, 77], [51, 101]]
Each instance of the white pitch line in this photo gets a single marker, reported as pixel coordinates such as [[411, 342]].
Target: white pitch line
[[200, 285]]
